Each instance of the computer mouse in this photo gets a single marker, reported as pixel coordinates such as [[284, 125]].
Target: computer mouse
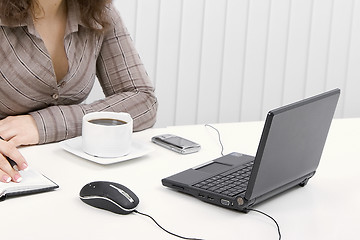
[[110, 196]]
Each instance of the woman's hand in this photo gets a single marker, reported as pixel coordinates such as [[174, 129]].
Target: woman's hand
[[15, 131], [19, 130]]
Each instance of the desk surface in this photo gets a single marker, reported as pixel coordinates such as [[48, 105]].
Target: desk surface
[[327, 208]]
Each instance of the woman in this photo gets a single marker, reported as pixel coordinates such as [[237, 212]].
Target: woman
[[51, 51]]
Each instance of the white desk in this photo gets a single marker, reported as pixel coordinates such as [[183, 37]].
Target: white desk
[[327, 208]]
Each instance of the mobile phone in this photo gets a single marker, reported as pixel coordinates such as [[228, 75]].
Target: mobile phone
[[176, 143]]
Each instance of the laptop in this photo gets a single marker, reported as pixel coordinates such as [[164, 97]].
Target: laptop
[[288, 155]]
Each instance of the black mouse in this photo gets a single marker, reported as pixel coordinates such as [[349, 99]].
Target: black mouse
[[110, 196]]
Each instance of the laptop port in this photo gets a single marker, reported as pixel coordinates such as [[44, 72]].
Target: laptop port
[[225, 202], [211, 199], [202, 196]]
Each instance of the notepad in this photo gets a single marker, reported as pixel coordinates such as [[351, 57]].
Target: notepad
[[32, 182]]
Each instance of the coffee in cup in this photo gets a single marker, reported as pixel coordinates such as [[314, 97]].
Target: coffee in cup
[[107, 121], [107, 134]]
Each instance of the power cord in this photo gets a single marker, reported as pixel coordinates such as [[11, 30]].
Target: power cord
[[267, 215], [250, 209], [218, 133], [164, 228]]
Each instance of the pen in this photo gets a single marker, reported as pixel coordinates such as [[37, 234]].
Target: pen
[[12, 162]]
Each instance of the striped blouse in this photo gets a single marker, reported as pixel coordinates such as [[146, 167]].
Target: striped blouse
[[28, 84]]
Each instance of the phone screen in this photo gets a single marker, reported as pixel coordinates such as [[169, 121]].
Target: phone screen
[[179, 142]]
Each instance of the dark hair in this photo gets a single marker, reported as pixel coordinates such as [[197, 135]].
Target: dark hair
[[92, 12]]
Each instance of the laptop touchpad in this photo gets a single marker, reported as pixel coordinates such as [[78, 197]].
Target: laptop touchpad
[[214, 167]]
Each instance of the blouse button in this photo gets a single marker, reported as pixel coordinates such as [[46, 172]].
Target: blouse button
[[55, 96]]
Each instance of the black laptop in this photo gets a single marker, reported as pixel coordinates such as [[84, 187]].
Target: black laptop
[[288, 155]]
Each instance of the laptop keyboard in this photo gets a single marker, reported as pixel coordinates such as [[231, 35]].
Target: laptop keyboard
[[231, 183]]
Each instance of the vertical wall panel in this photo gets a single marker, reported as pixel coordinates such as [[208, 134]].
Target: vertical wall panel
[[298, 50], [147, 30], [167, 59], [339, 47], [256, 51], [316, 75], [352, 89], [189, 62], [234, 60], [277, 46], [211, 61]]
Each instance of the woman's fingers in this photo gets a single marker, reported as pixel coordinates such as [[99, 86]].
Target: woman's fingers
[[7, 172], [10, 154]]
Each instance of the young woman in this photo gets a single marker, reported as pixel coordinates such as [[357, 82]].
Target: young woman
[[51, 51]]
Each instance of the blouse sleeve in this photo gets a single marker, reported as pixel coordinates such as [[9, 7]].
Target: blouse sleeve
[[124, 81]]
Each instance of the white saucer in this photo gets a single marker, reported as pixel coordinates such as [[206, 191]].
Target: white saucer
[[73, 146]]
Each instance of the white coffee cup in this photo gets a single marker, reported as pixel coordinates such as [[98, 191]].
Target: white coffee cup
[[107, 134]]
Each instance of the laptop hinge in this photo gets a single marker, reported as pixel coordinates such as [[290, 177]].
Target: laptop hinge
[[298, 182]]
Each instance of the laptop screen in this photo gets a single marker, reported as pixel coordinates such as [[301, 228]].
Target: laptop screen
[[292, 143]]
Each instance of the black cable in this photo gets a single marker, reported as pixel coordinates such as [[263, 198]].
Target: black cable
[[267, 215], [221, 144], [164, 228]]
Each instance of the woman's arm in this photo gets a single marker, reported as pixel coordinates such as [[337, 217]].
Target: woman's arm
[[124, 80]]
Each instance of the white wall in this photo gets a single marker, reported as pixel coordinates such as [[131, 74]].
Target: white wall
[[233, 60]]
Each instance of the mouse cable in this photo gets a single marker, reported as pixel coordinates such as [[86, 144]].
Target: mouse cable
[[250, 209], [221, 144], [164, 228]]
